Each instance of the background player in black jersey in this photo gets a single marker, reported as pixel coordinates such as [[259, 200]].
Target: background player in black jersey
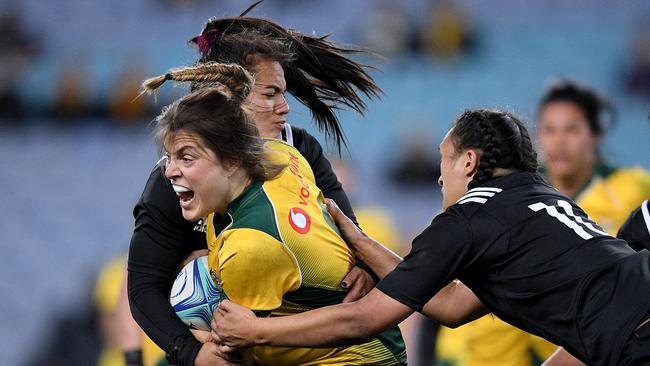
[[522, 250], [318, 74], [636, 229]]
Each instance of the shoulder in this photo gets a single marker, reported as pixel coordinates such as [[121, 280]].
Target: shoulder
[[632, 186], [636, 229], [257, 213], [307, 144], [452, 224], [475, 199], [251, 243], [634, 175], [256, 250]]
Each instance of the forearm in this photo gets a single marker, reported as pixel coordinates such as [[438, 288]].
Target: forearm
[[337, 325], [378, 258], [150, 273], [152, 311], [343, 324]]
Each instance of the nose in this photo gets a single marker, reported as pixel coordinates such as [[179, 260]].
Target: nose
[[440, 182], [171, 170], [282, 107]]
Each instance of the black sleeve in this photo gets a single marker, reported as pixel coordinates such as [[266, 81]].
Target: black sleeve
[[636, 229], [437, 256], [326, 180], [161, 240]]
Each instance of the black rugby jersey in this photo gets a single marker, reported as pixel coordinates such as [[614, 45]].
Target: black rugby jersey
[[162, 239], [535, 260], [636, 229]]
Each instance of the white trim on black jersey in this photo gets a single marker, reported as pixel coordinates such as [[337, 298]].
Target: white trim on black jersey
[[476, 195], [569, 211], [287, 135], [646, 214]]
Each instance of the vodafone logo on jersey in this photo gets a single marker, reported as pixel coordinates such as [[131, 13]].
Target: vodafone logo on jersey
[[299, 220]]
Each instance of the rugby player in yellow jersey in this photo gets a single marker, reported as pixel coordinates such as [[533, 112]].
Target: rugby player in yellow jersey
[[274, 247]]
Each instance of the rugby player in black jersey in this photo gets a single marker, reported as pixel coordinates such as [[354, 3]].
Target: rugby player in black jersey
[[636, 229], [521, 250], [318, 74]]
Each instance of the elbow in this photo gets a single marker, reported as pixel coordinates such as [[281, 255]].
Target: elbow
[[453, 323], [444, 318]]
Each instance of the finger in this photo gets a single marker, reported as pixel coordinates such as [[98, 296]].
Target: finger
[[350, 278], [214, 323], [202, 336], [347, 227], [231, 356], [354, 294], [355, 287], [226, 349], [335, 211], [215, 337], [225, 305]]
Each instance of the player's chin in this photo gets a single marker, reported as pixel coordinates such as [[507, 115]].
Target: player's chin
[[192, 214]]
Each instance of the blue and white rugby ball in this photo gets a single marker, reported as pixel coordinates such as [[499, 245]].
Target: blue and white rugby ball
[[195, 294]]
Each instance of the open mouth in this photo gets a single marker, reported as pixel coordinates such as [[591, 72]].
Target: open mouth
[[185, 195]]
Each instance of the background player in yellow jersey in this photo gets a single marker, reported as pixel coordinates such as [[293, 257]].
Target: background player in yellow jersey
[[125, 344], [572, 121], [274, 247]]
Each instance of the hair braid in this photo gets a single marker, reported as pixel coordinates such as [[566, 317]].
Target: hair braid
[[503, 141], [234, 77], [491, 152], [528, 162]]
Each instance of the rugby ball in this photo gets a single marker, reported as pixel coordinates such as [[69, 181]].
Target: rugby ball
[[195, 294]]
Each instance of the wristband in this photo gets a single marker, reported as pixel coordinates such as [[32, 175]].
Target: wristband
[[133, 358]]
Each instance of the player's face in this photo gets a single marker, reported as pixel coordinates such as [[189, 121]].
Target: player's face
[[198, 177], [455, 173], [568, 145], [266, 102]]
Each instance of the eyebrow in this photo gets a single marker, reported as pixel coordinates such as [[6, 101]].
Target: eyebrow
[[275, 87], [183, 149]]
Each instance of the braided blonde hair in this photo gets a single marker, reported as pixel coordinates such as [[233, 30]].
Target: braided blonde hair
[[235, 78]]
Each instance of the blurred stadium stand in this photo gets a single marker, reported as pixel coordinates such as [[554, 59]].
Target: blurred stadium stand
[[70, 181]]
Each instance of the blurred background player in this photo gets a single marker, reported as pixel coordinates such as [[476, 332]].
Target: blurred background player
[[636, 229], [573, 120], [125, 344]]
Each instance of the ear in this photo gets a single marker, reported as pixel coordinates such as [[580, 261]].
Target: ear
[[231, 166], [471, 162]]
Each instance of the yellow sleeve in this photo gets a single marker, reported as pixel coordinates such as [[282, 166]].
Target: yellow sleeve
[[256, 270], [109, 283]]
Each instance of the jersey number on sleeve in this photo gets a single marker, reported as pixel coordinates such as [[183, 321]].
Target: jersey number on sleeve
[[568, 218]]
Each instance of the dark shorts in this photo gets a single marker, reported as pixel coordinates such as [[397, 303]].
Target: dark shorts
[[637, 349]]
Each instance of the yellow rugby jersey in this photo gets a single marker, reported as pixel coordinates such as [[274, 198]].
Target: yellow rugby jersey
[[107, 293], [278, 252], [612, 194]]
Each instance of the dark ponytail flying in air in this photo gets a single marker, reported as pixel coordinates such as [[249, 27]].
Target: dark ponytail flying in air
[[319, 73]]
